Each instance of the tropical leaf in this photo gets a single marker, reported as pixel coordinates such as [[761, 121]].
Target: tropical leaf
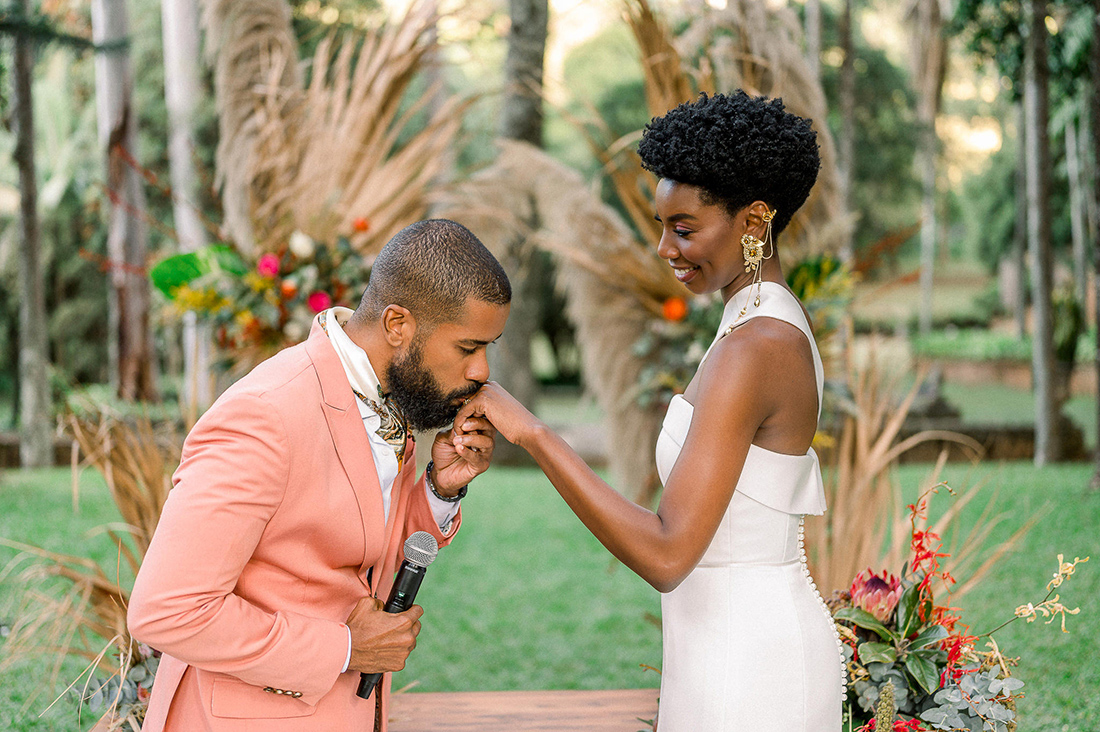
[[866, 620], [928, 636], [872, 652], [923, 671]]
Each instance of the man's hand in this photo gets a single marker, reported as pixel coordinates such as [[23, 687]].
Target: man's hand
[[461, 454], [381, 641]]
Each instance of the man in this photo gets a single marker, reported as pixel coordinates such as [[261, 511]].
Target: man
[[264, 582]]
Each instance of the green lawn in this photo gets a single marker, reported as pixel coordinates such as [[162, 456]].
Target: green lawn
[[526, 599]]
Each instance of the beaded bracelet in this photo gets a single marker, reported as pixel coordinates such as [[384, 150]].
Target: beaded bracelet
[[431, 486]]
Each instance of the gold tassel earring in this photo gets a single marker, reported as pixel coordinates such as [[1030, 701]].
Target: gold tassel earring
[[754, 255]]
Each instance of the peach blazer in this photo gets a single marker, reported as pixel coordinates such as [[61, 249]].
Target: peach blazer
[[263, 549]]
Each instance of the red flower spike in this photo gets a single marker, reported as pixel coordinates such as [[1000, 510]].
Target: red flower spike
[[360, 225]]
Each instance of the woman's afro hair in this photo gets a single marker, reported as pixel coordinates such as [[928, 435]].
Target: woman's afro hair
[[738, 149]]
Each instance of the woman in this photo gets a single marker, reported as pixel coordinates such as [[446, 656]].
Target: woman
[[748, 642]]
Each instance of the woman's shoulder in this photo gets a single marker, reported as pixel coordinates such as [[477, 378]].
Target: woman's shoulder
[[761, 355]]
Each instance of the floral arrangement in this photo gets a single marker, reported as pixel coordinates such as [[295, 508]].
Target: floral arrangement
[[122, 699], [912, 663], [674, 346], [260, 307]]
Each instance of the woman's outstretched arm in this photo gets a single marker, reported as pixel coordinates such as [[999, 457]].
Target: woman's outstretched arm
[[663, 546]]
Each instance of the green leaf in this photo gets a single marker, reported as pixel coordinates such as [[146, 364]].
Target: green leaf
[[182, 269], [928, 636], [170, 273], [908, 617], [923, 671], [866, 620], [877, 653], [225, 258]]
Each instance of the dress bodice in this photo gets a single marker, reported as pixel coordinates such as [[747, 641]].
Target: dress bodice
[[774, 489]]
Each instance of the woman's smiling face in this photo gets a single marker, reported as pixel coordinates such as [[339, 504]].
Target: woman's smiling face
[[699, 240]]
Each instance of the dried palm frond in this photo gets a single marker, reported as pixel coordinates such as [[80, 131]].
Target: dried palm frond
[[137, 465], [319, 157], [83, 616], [70, 606], [868, 523], [666, 84]]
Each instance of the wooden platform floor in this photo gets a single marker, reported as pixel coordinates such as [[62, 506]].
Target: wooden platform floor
[[621, 710]]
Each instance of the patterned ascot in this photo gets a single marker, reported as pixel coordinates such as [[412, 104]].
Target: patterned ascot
[[393, 428]]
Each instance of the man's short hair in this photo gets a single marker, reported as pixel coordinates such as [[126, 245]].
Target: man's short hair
[[432, 268]]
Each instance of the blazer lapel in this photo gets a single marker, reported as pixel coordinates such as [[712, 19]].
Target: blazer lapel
[[345, 426]]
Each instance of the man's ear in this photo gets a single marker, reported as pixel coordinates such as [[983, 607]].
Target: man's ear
[[398, 326]]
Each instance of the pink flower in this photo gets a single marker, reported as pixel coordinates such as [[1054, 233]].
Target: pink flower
[[877, 595], [319, 301], [268, 265]]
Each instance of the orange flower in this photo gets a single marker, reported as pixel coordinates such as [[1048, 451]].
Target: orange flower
[[360, 224], [675, 309], [288, 289]]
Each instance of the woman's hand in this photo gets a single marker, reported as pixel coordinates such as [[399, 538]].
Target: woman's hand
[[512, 420]]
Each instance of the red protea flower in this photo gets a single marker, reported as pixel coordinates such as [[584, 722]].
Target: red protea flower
[[877, 595]]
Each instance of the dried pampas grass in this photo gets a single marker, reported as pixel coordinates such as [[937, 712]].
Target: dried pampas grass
[[318, 158], [250, 43]]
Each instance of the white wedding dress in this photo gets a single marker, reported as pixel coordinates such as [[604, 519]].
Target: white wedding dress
[[749, 645]]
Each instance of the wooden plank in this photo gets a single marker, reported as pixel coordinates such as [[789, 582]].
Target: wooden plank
[[621, 710]]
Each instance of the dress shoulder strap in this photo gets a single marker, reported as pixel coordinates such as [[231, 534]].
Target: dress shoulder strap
[[777, 302]]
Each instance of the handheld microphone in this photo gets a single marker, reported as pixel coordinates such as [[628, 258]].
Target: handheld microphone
[[420, 551]]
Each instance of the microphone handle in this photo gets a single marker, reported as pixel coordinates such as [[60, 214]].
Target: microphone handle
[[401, 599]]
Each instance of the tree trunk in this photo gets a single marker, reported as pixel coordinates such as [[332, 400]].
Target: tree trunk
[[1094, 119], [813, 37], [1076, 213], [1019, 236], [846, 143], [521, 116], [182, 92], [35, 410], [1037, 111], [521, 119], [928, 59], [130, 346]]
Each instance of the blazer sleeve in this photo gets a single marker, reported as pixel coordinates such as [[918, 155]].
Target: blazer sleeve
[[420, 517], [230, 482]]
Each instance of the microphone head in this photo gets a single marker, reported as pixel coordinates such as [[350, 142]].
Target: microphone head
[[421, 548]]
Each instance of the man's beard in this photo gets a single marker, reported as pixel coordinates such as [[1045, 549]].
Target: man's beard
[[418, 396]]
